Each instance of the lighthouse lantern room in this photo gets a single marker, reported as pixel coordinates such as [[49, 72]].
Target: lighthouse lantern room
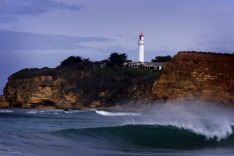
[[141, 48]]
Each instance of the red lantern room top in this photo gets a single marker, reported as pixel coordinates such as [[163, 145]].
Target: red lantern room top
[[141, 35]]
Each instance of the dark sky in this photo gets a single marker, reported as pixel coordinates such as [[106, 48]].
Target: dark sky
[[39, 33]]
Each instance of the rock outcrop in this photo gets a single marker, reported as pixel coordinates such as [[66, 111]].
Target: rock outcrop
[[197, 76], [3, 102], [39, 92]]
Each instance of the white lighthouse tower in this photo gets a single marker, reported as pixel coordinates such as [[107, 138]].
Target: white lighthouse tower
[[141, 48]]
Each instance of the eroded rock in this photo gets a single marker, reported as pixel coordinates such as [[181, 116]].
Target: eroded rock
[[198, 76]]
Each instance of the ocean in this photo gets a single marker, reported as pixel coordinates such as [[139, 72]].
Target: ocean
[[163, 130]]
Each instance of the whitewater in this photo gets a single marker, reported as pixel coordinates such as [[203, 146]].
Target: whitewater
[[172, 129]]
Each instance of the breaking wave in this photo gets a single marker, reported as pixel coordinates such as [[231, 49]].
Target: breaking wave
[[105, 113], [156, 136], [152, 131], [6, 111]]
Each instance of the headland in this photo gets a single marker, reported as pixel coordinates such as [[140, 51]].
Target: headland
[[191, 76]]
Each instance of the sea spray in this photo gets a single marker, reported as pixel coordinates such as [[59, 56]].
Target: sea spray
[[204, 119]]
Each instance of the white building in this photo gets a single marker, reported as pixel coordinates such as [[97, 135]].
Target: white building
[[141, 48], [146, 65]]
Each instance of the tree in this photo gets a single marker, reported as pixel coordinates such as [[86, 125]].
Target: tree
[[117, 59], [161, 58], [71, 60]]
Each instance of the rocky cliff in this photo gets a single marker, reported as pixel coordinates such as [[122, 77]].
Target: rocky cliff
[[197, 76], [75, 88], [39, 91], [3, 102]]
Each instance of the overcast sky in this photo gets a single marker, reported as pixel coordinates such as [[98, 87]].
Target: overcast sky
[[39, 33]]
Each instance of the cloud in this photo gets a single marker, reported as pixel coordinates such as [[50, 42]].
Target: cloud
[[12, 40], [7, 19], [33, 7]]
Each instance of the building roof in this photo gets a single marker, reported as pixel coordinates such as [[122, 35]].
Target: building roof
[[141, 35], [154, 63], [148, 63]]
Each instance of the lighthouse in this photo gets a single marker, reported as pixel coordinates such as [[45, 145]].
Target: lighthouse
[[141, 48]]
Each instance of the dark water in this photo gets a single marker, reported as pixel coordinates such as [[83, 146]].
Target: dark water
[[163, 130]]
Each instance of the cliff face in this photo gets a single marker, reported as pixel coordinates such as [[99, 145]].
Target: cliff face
[[40, 91], [3, 102], [197, 76]]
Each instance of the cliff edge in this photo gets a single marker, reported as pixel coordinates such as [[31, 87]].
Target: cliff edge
[[197, 76]]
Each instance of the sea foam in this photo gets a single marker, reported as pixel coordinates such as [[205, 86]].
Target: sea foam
[[210, 121], [105, 113], [6, 111]]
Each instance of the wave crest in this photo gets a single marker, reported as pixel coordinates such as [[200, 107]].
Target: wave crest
[[105, 113], [144, 136], [209, 130]]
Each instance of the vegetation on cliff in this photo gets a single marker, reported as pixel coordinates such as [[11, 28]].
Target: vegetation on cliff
[[161, 58]]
